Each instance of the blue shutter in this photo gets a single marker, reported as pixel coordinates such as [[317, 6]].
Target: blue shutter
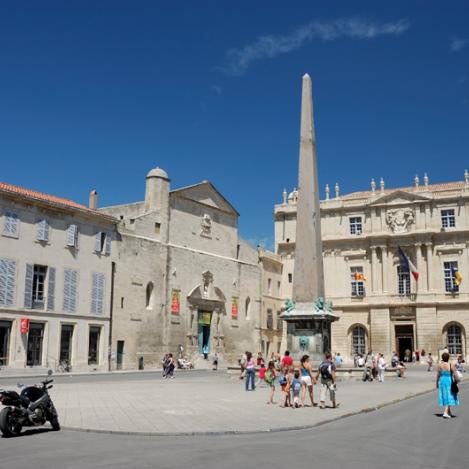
[[97, 242], [72, 235], [10, 283], [97, 293], [28, 286], [94, 293], [42, 230], [107, 247], [10, 228], [70, 290], [50, 288]]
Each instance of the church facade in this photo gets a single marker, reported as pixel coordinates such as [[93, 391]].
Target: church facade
[[381, 306], [184, 278]]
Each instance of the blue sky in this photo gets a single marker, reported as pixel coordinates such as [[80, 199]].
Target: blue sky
[[94, 94]]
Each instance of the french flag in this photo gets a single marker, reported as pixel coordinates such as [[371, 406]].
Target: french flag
[[406, 264]]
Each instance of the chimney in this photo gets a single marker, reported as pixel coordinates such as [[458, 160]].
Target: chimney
[[93, 203]]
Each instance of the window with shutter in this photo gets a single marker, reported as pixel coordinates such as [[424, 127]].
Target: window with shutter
[[7, 282], [28, 286], [97, 293], [42, 230], [70, 290], [11, 225], [72, 236], [107, 246], [98, 244], [51, 289]]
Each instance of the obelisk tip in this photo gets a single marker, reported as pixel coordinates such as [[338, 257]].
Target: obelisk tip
[[306, 77]]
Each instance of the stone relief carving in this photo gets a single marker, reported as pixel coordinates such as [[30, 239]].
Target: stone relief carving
[[400, 219], [207, 279], [206, 225]]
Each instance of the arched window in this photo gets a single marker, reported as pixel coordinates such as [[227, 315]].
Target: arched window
[[149, 295], [247, 307], [454, 339], [358, 340]]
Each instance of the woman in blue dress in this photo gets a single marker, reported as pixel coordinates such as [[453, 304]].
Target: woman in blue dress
[[444, 377]]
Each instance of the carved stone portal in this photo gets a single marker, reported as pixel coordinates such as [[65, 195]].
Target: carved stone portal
[[400, 219]]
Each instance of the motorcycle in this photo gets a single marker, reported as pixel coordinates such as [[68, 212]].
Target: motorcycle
[[31, 408]]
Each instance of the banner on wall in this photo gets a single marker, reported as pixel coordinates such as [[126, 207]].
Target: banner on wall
[[24, 325], [175, 302], [234, 307]]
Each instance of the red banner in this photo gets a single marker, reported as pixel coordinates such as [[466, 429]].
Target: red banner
[[24, 325], [234, 307], [175, 303]]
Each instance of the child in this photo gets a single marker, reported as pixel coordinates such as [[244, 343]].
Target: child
[[262, 371], [296, 388], [270, 380], [284, 380]]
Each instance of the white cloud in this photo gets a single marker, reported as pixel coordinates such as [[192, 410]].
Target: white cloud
[[457, 44], [217, 89], [238, 60]]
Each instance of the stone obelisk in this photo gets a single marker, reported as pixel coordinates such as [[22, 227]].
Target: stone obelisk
[[308, 276], [308, 314]]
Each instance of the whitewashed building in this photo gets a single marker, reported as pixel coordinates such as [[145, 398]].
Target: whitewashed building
[[55, 281]]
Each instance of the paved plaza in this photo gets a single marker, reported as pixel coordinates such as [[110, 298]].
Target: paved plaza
[[409, 434], [201, 402]]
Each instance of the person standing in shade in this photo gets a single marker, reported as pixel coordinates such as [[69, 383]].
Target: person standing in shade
[[327, 373], [250, 372], [444, 379], [381, 365], [205, 351]]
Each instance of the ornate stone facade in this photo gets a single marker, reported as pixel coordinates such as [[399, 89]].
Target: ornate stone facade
[[382, 307]]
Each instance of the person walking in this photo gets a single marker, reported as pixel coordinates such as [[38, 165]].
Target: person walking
[[430, 362], [381, 365], [250, 372], [447, 396], [327, 373], [215, 362], [338, 360], [287, 360], [306, 380]]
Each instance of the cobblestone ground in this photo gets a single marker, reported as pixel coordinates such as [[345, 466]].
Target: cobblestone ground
[[201, 402]]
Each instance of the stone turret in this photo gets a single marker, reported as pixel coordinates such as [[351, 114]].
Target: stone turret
[[157, 190]]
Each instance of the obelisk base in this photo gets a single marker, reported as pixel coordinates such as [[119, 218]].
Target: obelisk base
[[308, 330]]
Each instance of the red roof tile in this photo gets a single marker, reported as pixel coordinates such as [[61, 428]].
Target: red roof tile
[[50, 199]]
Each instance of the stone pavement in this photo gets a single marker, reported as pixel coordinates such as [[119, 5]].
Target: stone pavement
[[211, 403]]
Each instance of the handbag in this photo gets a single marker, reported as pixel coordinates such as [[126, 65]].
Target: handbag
[[454, 384]]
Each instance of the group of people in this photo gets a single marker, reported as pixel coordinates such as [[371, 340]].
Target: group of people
[[375, 366], [168, 365], [296, 383]]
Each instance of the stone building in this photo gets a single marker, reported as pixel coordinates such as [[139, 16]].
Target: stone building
[[55, 281], [184, 277], [381, 306], [272, 302]]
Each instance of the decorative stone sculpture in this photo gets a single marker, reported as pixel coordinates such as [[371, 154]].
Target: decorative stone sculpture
[[289, 305], [400, 219], [206, 225]]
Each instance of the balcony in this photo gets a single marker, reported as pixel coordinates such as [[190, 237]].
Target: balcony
[[405, 297]]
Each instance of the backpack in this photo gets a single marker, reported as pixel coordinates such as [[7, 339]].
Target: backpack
[[282, 379], [296, 385], [325, 370]]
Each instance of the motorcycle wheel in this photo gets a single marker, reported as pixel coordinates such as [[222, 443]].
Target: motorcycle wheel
[[8, 424], [54, 421]]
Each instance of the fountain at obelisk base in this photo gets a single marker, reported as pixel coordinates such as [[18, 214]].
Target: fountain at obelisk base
[[308, 315]]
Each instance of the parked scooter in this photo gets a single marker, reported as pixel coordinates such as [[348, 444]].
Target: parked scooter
[[31, 408]]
